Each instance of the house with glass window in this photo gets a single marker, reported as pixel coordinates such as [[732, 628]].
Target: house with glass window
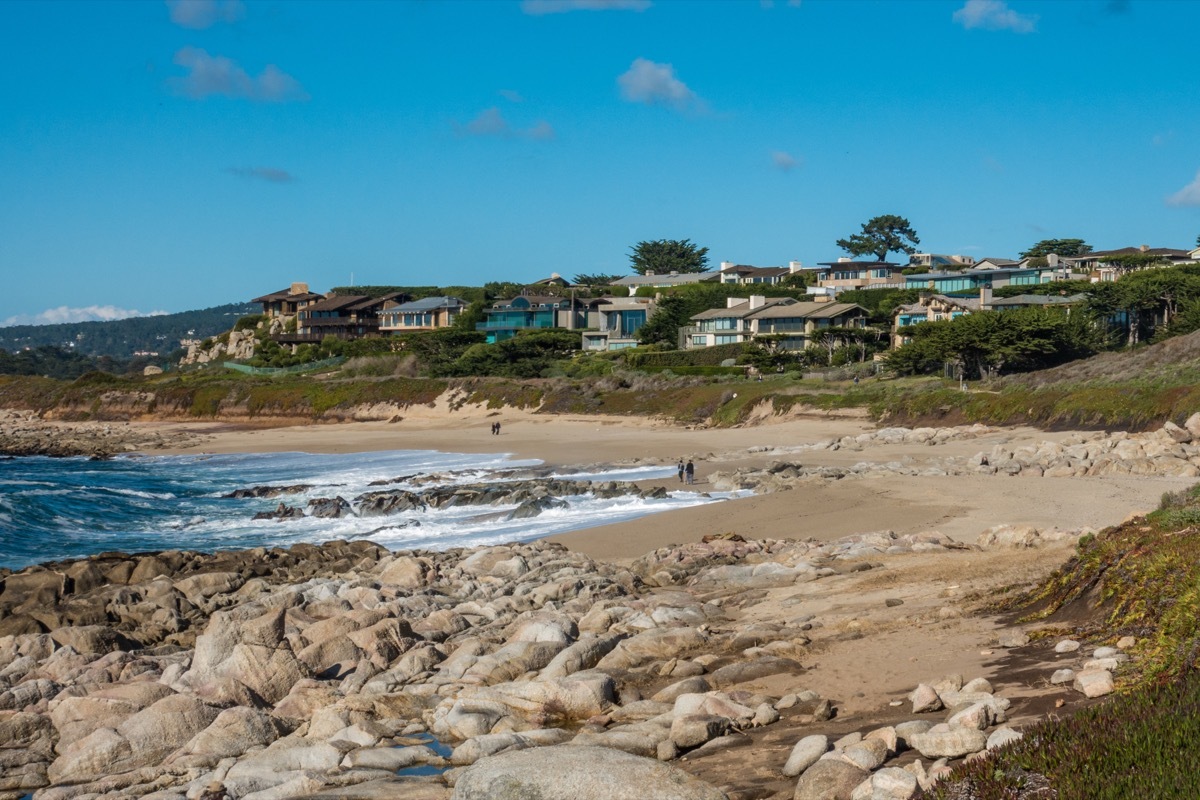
[[287, 302], [532, 312], [972, 280], [845, 274], [613, 322], [931, 308], [791, 324], [426, 314], [340, 316], [746, 275]]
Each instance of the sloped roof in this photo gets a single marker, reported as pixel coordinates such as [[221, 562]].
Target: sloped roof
[[428, 304], [858, 264], [765, 272], [337, 303], [806, 311], [743, 310], [286, 294], [667, 280]]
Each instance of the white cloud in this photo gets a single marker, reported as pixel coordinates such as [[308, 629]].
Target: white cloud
[[208, 75], [198, 14], [539, 7], [648, 82], [994, 15], [784, 162], [512, 96], [491, 122], [55, 316], [1188, 195], [269, 174]]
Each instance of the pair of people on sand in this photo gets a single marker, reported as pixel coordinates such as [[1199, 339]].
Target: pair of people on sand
[[687, 472], [495, 429]]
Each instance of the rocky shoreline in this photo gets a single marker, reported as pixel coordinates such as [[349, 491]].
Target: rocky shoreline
[[512, 671], [24, 433]]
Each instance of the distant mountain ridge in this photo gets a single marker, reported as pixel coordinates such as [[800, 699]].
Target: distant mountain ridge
[[126, 338]]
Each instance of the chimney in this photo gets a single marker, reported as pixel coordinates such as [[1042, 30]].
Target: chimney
[[1052, 260], [985, 298], [298, 288], [757, 300], [843, 260], [734, 302], [795, 266], [726, 265]]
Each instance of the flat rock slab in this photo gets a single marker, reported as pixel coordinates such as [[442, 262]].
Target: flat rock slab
[[569, 772]]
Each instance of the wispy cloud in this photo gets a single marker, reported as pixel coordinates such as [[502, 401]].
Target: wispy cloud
[[769, 4], [656, 84], [540, 7], [784, 162], [268, 174], [209, 75], [199, 14], [55, 316], [512, 95], [1188, 195], [994, 15], [491, 122]]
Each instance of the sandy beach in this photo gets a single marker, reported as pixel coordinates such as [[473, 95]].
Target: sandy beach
[[863, 569], [959, 506]]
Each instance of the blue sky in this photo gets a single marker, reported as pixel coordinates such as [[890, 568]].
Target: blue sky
[[177, 155]]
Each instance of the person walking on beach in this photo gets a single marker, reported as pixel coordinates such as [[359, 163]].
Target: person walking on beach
[[497, 428], [690, 472], [680, 468]]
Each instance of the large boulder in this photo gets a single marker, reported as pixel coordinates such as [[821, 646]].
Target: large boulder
[[806, 753], [570, 772], [948, 743], [76, 717], [245, 662], [829, 779]]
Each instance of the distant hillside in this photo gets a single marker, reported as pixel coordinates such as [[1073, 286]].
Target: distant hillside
[[125, 338]]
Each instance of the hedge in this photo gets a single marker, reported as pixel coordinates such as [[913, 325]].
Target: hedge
[[700, 357]]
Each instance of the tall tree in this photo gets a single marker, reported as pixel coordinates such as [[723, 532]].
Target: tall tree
[[663, 256], [1069, 248], [880, 236]]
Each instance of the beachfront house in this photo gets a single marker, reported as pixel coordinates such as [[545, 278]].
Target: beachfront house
[[613, 322], [287, 302], [744, 275], [972, 280], [635, 282], [339, 316], [791, 324], [426, 314], [938, 261], [932, 308], [506, 318], [1103, 266], [845, 274]]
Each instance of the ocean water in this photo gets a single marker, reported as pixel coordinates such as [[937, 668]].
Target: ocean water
[[53, 509]]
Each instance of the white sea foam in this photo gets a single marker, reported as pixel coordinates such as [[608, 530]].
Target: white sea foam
[[70, 508]]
